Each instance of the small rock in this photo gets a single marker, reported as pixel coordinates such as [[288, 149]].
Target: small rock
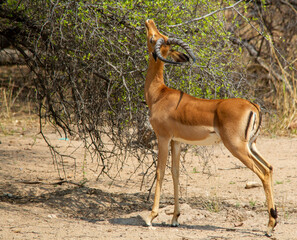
[[252, 185], [52, 216], [238, 224]]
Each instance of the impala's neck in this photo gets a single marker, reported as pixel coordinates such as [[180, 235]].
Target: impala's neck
[[154, 82]]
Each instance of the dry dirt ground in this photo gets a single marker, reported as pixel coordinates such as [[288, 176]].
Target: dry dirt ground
[[35, 204]]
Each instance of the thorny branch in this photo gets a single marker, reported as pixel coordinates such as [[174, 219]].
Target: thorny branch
[[89, 69]]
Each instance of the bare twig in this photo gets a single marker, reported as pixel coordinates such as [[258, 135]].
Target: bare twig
[[205, 16]]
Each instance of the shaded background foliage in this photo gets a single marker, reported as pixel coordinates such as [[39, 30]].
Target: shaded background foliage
[[88, 60], [267, 30]]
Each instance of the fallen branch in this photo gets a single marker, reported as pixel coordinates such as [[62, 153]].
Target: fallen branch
[[232, 168], [54, 183]]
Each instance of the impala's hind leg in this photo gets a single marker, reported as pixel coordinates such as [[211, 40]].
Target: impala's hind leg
[[256, 153], [249, 156], [268, 187]]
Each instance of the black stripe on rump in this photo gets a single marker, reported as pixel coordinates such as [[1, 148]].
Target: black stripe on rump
[[248, 124], [260, 117]]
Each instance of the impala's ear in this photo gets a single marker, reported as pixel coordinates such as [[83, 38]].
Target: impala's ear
[[178, 57]]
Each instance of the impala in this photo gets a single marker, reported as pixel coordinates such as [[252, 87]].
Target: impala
[[177, 117]]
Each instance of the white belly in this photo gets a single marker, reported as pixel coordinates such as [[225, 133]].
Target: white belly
[[210, 140]]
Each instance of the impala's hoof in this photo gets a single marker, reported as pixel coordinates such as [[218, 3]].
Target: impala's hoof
[[269, 232], [147, 224], [272, 223], [174, 224], [147, 220]]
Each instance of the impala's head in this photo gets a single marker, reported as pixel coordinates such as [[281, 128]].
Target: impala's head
[[159, 45]]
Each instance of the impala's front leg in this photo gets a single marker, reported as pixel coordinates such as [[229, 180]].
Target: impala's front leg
[[175, 151], [162, 158]]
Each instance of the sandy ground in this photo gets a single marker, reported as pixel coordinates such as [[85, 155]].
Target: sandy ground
[[35, 204]]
